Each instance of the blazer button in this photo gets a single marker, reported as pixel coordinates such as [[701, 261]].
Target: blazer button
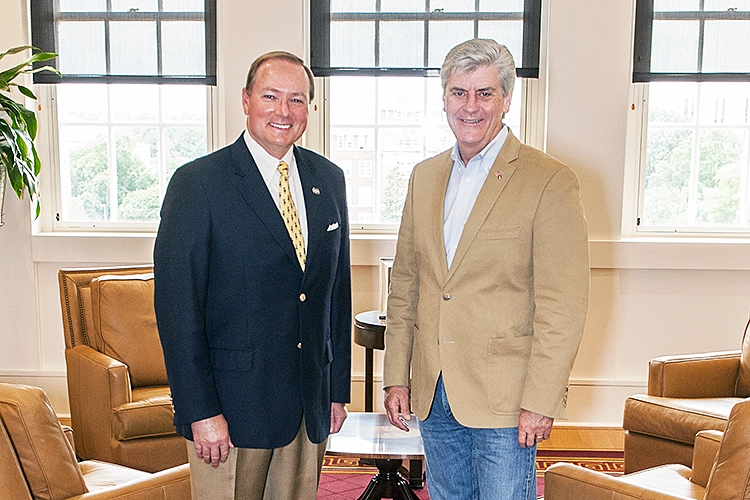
[[447, 296], [299, 346], [302, 297]]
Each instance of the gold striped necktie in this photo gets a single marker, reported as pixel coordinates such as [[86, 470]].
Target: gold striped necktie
[[289, 213]]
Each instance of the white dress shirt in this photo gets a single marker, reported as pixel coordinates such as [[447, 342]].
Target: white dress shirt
[[268, 166], [463, 188]]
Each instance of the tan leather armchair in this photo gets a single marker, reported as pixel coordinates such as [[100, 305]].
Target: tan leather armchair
[[720, 471], [686, 394], [120, 404], [38, 462]]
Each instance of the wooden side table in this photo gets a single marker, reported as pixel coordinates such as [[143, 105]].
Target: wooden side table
[[369, 332]]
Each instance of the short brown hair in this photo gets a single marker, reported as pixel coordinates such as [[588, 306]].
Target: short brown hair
[[279, 54]]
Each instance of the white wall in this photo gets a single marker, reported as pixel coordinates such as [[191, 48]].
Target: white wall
[[648, 298]]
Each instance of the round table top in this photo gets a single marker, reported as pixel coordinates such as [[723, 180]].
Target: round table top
[[370, 435], [370, 330]]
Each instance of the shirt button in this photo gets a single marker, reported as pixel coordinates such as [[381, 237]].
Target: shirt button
[[302, 297], [447, 296], [299, 346]]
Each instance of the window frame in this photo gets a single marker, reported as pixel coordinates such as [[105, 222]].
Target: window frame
[[48, 146]]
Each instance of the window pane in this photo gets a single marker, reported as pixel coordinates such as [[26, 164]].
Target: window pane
[[697, 170], [82, 103], [84, 173], [352, 5], [134, 103], [721, 155], [183, 104], [402, 6], [83, 5], [402, 44], [675, 45], [508, 33], [133, 48], [74, 35], [183, 48], [444, 35], [354, 104], [676, 5], [137, 159], [183, 5], [725, 104], [135, 6], [721, 53], [453, 5], [501, 5], [352, 44], [120, 144], [723, 5]]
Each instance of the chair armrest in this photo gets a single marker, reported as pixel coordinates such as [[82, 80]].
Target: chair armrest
[[563, 481], [706, 375], [165, 485], [96, 384], [68, 433], [706, 448]]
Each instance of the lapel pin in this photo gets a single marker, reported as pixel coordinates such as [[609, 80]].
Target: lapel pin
[[499, 174], [316, 190]]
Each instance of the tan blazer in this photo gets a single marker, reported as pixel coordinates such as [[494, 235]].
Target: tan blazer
[[504, 324]]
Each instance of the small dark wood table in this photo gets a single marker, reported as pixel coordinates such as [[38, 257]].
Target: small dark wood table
[[369, 332], [371, 436]]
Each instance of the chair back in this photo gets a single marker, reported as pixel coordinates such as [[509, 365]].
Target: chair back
[[112, 311], [36, 457], [730, 475]]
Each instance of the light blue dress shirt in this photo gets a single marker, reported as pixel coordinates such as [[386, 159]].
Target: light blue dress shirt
[[463, 188]]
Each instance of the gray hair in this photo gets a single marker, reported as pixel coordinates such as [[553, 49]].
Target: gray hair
[[471, 54]]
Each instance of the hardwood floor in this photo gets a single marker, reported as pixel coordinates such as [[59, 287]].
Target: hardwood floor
[[584, 438]]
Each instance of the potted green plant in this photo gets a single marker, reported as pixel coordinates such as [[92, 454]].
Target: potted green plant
[[19, 162]]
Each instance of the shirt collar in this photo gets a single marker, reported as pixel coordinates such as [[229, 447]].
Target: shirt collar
[[490, 151], [266, 163]]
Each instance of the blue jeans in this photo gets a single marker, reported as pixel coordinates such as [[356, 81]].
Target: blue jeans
[[465, 463]]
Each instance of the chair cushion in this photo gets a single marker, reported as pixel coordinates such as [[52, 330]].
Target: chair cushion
[[150, 414], [730, 476], [125, 324], [743, 379], [46, 457], [676, 419], [100, 475]]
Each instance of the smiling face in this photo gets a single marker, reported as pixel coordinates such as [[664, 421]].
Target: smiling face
[[277, 105], [474, 105]]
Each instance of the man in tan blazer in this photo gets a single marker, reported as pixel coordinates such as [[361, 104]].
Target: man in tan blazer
[[489, 291]]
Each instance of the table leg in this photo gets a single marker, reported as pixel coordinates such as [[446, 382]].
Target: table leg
[[369, 381], [416, 477], [388, 483]]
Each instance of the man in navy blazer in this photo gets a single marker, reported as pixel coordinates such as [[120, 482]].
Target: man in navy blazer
[[256, 340]]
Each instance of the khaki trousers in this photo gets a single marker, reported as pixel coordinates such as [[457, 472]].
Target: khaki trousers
[[288, 473]]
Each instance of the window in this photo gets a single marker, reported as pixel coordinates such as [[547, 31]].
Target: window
[[132, 104], [695, 151], [118, 147], [385, 98]]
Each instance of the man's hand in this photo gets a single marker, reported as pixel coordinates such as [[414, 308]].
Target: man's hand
[[533, 428], [397, 406], [338, 415], [211, 439]]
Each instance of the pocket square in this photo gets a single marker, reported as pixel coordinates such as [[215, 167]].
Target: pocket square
[[333, 227]]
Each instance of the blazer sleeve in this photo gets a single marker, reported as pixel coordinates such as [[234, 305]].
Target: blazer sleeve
[[403, 298], [181, 263], [561, 289]]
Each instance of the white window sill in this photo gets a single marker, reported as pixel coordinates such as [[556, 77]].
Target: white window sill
[[367, 249]]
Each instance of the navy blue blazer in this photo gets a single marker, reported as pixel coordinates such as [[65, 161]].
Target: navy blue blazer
[[245, 332]]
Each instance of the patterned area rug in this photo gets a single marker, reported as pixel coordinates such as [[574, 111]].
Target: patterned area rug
[[346, 479]]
